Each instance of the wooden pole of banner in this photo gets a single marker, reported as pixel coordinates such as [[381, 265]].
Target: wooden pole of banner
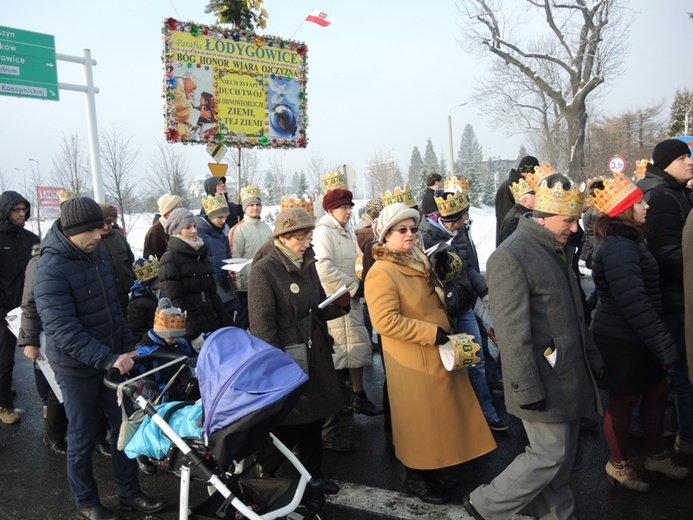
[[238, 177]]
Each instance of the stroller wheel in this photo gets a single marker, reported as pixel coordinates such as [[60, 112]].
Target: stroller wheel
[[304, 513]]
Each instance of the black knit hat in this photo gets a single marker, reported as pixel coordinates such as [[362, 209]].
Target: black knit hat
[[668, 151], [79, 215]]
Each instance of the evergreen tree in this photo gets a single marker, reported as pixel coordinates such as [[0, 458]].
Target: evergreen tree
[[415, 177], [430, 161], [681, 107], [487, 192], [469, 158], [521, 153], [273, 190], [443, 165], [302, 184]]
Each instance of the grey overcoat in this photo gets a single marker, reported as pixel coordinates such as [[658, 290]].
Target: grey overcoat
[[535, 304]]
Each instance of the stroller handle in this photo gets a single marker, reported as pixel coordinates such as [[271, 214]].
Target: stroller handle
[[113, 377]]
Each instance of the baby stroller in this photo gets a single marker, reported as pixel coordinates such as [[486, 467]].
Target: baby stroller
[[248, 387]]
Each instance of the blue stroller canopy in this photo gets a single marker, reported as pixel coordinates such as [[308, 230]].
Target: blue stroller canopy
[[240, 374]]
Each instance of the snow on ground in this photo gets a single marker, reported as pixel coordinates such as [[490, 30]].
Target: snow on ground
[[483, 228]]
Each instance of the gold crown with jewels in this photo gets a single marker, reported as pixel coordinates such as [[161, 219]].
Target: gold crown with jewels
[[404, 195], [65, 195], [465, 350], [640, 167], [558, 201], [613, 191], [455, 184], [146, 268], [333, 181], [539, 173], [304, 202], [169, 322], [452, 204], [520, 188], [215, 203], [250, 191]]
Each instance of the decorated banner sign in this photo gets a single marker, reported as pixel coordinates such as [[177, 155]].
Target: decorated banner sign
[[234, 88]]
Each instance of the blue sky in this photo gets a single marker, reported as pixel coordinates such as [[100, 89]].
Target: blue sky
[[382, 77]]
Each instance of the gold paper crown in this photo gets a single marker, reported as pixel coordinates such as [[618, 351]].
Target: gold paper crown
[[465, 350], [557, 201], [404, 195], [520, 188], [65, 195], [616, 190], [640, 167], [333, 181], [453, 204], [293, 201], [169, 322], [456, 265], [250, 191], [146, 269], [455, 184], [540, 173], [215, 203]]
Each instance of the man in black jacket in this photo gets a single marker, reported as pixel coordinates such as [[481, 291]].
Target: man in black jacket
[[504, 197], [670, 203], [434, 182], [16, 244], [86, 335]]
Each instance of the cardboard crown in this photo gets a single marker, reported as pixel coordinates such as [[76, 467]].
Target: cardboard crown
[[404, 195]]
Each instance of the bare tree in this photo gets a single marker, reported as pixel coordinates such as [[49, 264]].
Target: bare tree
[[582, 44], [249, 168], [71, 167], [632, 134], [118, 157], [382, 174], [35, 181], [315, 169], [169, 173], [4, 184]]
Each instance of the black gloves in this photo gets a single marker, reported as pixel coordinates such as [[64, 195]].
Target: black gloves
[[538, 406], [442, 336]]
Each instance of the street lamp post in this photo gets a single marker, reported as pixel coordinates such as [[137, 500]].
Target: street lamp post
[[452, 158], [24, 176]]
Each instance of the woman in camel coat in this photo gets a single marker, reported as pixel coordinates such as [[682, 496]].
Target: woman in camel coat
[[436, 418]]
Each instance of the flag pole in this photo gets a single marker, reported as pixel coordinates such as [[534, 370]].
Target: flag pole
[[297, 28]]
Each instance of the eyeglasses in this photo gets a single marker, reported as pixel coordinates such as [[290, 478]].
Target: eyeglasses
[[403, 230], [19, 210], [305, 240]]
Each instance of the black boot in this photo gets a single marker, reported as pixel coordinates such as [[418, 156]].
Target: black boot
[[415, 484], [441, 479], [361, 404]]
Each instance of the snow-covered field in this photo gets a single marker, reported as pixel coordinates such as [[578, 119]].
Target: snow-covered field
[[483, 228]]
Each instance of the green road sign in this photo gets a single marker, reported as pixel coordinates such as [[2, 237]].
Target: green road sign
[[27, 64]]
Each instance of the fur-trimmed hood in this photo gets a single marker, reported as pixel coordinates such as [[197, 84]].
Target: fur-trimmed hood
[[415, 260]]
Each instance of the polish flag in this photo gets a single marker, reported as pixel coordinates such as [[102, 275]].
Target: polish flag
[[320, 18]]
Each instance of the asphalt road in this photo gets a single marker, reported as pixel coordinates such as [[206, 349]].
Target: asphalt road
[[33, 483]]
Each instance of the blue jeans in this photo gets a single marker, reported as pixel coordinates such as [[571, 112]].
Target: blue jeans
[[466, 323], [683, 389], [83, 396], [493, 371]]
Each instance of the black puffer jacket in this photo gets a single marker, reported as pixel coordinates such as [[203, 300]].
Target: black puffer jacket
[[467, 291], [15, 246], [626, 278], [76, 299], [141, 310], [670, 202], [187, 278]]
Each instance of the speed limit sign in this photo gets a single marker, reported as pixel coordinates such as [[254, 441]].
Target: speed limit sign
[[617, 164]]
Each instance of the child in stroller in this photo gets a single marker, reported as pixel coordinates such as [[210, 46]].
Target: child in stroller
[[167, 335], [248, 387]]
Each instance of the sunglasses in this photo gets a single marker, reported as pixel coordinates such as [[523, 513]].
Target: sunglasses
[[403, 230]]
